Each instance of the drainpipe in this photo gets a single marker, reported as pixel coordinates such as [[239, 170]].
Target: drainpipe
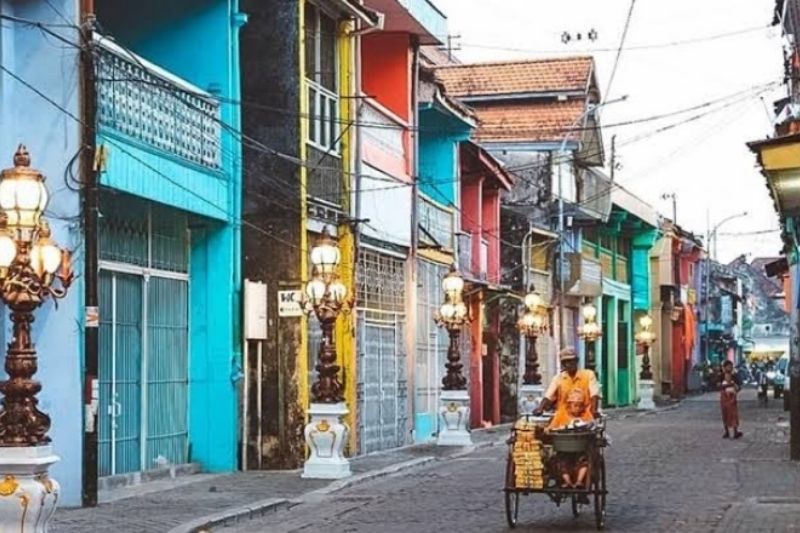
[[90, 218], [414, 223]]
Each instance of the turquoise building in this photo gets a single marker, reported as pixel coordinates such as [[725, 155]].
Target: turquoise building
[[443, 125], [621, 243], [169, 236]]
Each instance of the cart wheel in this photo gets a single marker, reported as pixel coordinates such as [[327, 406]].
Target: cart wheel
[[575, 511], [599, 486], [512, 496]]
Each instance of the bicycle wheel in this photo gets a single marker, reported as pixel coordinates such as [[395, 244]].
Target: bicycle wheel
[[599, 486], [512, 497]]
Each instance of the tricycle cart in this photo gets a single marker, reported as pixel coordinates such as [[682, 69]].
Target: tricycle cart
[[530, 468]]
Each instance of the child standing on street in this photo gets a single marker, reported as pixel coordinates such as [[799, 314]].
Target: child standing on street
[[729, 388]]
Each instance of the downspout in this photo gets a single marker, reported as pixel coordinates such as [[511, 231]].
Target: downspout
[[411, 331]]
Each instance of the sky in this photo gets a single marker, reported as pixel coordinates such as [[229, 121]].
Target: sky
[[704, 160]]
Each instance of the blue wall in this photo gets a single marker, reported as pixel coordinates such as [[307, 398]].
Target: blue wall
[[438, 154], [52, 139]]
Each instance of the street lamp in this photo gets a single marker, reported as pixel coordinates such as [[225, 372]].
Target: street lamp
[[454, 410], [645, 336], [532, 324], [326, 431], [32, 269], [590, 331]]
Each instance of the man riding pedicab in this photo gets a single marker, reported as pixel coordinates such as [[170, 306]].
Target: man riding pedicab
[[575, 394]]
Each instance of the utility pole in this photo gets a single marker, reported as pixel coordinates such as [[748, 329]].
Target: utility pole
[[561, 157], [674, 197], [452, 47], [89, 189], [613, 156]]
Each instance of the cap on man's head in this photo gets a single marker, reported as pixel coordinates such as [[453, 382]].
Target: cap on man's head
[[567, 354]]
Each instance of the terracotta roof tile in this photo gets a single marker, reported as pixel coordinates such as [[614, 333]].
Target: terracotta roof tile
[[514, 77], [529, 121]]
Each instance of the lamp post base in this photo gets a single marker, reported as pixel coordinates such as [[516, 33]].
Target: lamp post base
[[453, 419], [646, 394], [530, 396], [326, 435], [28, 496]]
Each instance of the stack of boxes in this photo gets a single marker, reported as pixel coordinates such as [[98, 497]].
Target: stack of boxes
[[527, 455]]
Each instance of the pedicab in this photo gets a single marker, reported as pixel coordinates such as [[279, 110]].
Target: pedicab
[[533, 457]]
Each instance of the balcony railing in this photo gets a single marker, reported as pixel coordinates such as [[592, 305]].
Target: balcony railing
[[438, 223], [384, 131], [145, 102]]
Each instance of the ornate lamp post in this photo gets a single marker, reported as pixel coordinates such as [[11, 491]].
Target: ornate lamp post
[[326, 431], [532, 324], [646, 337], [454, 409], [32, 269], [590, 331]]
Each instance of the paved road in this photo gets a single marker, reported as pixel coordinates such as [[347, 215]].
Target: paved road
[[669, 471]]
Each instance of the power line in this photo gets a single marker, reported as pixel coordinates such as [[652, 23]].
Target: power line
[[619, 50]]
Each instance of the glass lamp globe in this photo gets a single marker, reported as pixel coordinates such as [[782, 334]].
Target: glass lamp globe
[[325, 255], [533, 300], [337, 291], [453, 285], [315, 291], [8, 250], [447, 311], [528, 320], [589, 312], [23, 196], [646, 321], [48, 253], [461, 311]]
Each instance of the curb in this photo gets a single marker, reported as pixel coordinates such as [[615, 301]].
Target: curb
[[260, 508], [233, 515]]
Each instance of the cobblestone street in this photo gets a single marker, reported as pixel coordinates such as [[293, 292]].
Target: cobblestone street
[[668, 471]]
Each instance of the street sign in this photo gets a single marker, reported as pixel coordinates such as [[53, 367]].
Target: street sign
[[290, 304]]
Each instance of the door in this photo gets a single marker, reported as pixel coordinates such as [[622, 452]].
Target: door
[[121, 333], [143, 341], [382, 385]]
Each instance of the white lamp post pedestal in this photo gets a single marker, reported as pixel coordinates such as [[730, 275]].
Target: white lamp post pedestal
[[28, 496], [530, 396], [454, 418], [326, 434], [646, 394]]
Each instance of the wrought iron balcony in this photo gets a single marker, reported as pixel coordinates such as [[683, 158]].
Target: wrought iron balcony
[[148, 104]]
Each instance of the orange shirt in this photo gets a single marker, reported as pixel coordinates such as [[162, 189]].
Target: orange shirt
[[561, 385]]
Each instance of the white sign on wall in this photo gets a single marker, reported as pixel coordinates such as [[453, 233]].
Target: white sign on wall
[[255, 310], [290, 303]]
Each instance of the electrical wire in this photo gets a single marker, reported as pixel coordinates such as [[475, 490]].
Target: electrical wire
[[607, 92]]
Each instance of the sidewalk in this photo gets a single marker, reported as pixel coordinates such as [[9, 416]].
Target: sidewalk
[[187, 504]]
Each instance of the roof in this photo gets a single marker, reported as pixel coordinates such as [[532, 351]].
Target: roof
[[623, 198], [518, 77], [529, 121]]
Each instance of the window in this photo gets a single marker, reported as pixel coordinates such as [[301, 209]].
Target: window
[[321, 72]]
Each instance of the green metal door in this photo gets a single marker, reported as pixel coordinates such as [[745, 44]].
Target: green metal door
[[119, 415], [144, 336], [167, 371]]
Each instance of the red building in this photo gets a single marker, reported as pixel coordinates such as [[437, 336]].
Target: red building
[[677, 254], [483, 180]]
